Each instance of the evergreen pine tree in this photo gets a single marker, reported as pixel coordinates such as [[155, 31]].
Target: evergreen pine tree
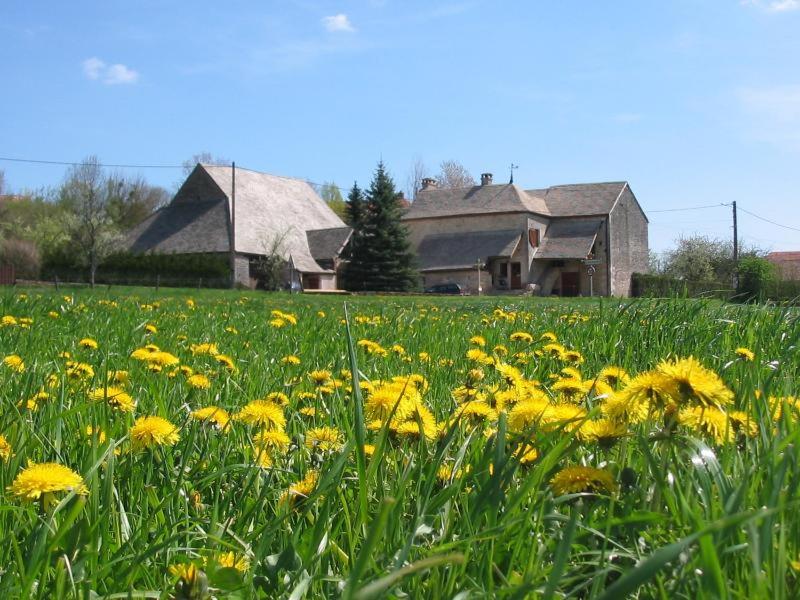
[[354, 271], [381, 259]]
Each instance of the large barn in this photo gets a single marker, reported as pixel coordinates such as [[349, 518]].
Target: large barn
[[548, 241], [270, 215]]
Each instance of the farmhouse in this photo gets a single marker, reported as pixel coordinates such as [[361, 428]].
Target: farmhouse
[[264, 215], [544, 240], [787, 264]]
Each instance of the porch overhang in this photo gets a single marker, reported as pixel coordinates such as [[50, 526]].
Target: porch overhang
[[569, 240], [461, 251]]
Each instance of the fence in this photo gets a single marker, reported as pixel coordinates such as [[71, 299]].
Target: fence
[[137, 279]]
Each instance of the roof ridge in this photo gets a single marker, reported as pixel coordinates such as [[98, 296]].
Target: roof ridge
[[238, 168]]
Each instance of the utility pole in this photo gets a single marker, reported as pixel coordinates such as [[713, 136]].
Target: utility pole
[[735, 248], [233, 226]]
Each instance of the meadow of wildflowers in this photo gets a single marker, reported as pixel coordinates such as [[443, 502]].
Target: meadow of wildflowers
[[237, 445]]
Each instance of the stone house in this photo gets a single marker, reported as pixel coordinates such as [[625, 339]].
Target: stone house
[[263, 215], [539, 239], [787, 264]]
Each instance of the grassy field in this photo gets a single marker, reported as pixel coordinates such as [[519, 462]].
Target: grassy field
[[197, 444]]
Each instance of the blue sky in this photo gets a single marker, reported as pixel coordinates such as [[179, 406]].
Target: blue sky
[[693, 102]]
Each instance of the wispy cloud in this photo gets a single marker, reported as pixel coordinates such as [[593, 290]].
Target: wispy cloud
[[774, 113], [775, 6], [337, 23], [116, 74]]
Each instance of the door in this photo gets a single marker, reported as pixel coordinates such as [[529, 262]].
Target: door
[[570, 283], [516, 276], [311, 282]]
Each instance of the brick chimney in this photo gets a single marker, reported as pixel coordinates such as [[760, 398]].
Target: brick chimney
[[428, 183], [486, 179]]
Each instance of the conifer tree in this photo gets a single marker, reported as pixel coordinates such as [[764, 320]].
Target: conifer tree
[[381, 258], [354, 272]]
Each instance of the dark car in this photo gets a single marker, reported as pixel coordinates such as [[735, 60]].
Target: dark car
[[445, 288]]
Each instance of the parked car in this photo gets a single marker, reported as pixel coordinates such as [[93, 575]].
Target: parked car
[[445, 288]]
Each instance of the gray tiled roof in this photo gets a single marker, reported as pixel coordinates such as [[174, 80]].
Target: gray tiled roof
[[557, 201], [269, 208], [326, 244], [183, 228], [448, 251], [478, 199], [568, 238], [581, 199]]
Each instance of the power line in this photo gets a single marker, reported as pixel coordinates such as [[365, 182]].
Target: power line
[[78, 164], [688, 208], [65, 163], [752, 214]]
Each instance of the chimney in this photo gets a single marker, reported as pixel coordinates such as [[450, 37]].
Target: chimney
[[486, 179], [428, 183]]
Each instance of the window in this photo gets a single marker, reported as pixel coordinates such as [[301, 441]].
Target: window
[[533, 237]]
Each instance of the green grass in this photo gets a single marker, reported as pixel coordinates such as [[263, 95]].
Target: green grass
[[691, 517]]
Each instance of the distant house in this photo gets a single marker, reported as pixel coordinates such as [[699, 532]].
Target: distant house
[[537, 239], [272, 214], [787, 264]]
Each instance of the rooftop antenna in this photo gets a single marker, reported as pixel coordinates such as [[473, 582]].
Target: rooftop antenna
[[513, 166]]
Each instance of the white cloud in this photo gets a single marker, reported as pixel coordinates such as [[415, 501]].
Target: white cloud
[[92, 67], [338, 22], [774, 5], [96, 69], [116, 74], [774, 113]]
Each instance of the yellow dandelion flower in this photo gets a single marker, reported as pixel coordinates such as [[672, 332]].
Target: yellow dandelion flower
[[199, 381], [116, 397], [121, 377], [226, 361], [327, 439], [43, 479], [605, 432], [6, 451], [528, 455], [308, 411], [320, 377], [576, 480], [264, 413], [77, 371], [162, 359], [570, 389], [153, 431], [275, 439], [369, 449], [614, 376], [521, 336], [743, 423], [205, 348], [150, 328], [291, 359], [708, 420], [572, 356], [692, 383], [15, 363], [88, 343], [214, 415], [231, 561], [302, 489], [477, 412], [478, 340], [745, 354]]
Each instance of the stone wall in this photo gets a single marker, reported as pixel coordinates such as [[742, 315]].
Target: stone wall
[[629, 243]]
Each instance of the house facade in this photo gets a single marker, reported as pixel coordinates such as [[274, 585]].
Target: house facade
[[787, 264], [568, 240], [246, 215]]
